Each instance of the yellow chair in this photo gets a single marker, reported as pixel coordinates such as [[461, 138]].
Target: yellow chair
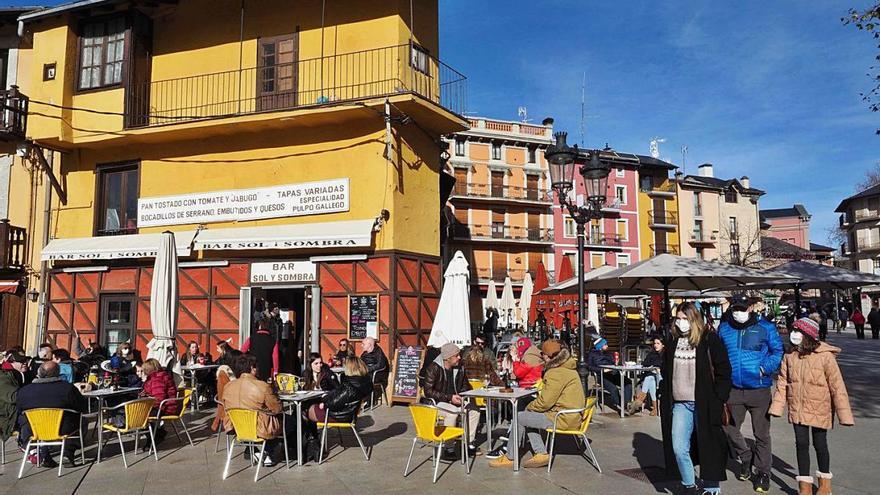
[[430, 433], [339, 427], [244, 422], [137, 423], [45, 431], [287, 383], [158, 418], [586, 413]]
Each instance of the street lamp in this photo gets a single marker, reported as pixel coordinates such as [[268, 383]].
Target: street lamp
[[563, 160]]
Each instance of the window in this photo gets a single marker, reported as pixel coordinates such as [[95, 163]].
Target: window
[[102, 53], [646, 183], [619, 172], [572, 258], [698, 230], [533, 154], [622, 260], [419, 58], [701, 254], [596, 260], [570, 228], [496, 151], [730, 196], [620, 194], [623, 230], [876, 266], [731, 229], [698, 205], [734, 253], [117, 199], [459, 147]]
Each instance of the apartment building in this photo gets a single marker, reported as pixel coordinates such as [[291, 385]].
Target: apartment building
[[791, 225], [860, 222], [659, 230]]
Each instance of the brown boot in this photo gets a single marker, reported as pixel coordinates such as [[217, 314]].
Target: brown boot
[[655, 408], [805, 485], [537, 461], [824, 483], [636, 404]]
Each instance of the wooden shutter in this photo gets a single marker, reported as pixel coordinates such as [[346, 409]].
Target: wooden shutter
[[461, 181], [499, 265], [137, 100], [532, 187], [461, 214], [498, 184]]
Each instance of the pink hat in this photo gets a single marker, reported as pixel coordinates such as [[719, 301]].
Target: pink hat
[[522, 345], [807, 326]]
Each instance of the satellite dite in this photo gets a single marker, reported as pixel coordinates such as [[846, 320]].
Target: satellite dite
[[655, 146]]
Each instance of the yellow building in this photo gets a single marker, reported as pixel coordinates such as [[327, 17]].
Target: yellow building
[[658, 209], [292, 147]]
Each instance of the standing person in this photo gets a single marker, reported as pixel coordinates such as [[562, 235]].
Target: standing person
[[811, 385], [695, 385], [823, 323], [650, 379], [858, 320], [490, 326], [263, 345], [874, 321], [843, 318], [755, 351]]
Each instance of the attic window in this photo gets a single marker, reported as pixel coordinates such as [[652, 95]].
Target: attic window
[[730, 196]]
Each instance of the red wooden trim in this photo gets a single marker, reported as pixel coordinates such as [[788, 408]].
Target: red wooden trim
[[372, 274]]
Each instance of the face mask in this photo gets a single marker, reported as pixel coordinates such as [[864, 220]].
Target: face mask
[[125, 352], [741, 316], [684, 326], [796, 338]]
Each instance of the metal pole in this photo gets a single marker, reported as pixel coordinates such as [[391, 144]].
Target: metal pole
[[664, 318], [797, 301], [582, 354]]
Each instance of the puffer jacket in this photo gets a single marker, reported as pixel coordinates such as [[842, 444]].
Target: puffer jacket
[[755, 351], [344, 401], [247, 392], [562, 390], [434, 383], [813, 388], [160, 386], [529, 367], [8, 412]]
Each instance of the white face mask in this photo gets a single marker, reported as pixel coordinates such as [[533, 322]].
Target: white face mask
[[741, 316], [796, 338], [125, 352], [684, 325]]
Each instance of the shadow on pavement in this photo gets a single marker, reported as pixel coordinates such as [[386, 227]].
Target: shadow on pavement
[[648, 452]]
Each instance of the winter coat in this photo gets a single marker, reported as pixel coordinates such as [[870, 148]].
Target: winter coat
[[755, 351], [874, 319], [477, 366], [52, 393], [376, 361], [813, 388], [224, 376], [652, 360], [8, 412], [160, 386], [247, 392], [326, 380], [264, 346], [858, 318], [343, 402], [562, 390], [709, 443], [596, 359], [434, 383], [529, 367]]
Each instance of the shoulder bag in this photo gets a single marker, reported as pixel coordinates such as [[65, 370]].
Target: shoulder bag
[[726, 416]]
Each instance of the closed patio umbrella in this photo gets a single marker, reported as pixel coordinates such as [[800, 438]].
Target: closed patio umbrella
[[507, 305], [491, 296], [452, 323], [163, 303], [525, 300]]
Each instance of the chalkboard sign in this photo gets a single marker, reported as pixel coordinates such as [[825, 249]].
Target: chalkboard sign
[[405, 380], [363, 317]]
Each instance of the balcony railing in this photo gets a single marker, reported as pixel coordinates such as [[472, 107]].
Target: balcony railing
[[328, 80], [866, 214], [607, 240], [664, 188], [476, 190], [868, 244], [662, 218], [700, 236], [12, 246], [486, 274], [13, 114], [664, 249], [505, 232]]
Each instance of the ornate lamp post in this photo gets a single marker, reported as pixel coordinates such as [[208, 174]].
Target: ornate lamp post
[[564, 160]]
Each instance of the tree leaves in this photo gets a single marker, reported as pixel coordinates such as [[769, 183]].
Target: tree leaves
[[868, 20]]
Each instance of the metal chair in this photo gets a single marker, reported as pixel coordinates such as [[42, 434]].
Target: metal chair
[[244, 421], [598, 390], [287, 383], [586, 414], [159, 417], [3, 448], [430, 433], [220, 430], [137, 423], [373, 403], [341, 425], [46, 431]]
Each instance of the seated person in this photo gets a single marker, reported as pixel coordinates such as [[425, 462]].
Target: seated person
[[343, 350], [44, 353], [527, 363], [65, 364], [650, 379], [249, 392], [374, 357], [598, 357], [318, 375], [122, 373], [159, 384], [344, 401], [562, 390], [50, 390], [480, 365], [133, 356], [223, 376], [10, 382], [444, 381]]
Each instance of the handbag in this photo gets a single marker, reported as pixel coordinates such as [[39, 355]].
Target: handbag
[[726, 415]]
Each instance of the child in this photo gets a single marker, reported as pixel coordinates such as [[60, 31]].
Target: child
[[811, 385]]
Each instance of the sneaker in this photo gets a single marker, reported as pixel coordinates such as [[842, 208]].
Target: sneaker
[[48, 462], [474, 451], [501, 462], [762, 482], [745, 471], [268, 462], [537, 461], [69, 462], [499, 452], [32, 458]]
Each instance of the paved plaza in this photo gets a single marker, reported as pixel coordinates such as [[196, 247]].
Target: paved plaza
[[629, 452]]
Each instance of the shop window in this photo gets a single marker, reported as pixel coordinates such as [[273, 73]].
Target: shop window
[[102, 53], [118, 191]]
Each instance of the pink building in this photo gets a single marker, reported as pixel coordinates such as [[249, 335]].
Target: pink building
[[791, 225]]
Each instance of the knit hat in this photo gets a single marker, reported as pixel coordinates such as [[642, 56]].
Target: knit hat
[[599, 343], [522, 345], [807, 326], [449, 350], [17, 357], [551, 348]]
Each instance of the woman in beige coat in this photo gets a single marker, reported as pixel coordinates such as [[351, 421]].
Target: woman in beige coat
[[811, 385]]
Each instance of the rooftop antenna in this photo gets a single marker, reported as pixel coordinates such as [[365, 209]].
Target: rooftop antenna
[[583, 106], [655, 146], [523, 113], [684, 154]]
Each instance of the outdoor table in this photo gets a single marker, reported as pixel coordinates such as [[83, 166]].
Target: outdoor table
[[101, 395], [194, 404], [495, 393], [297, 399], [623, 371]]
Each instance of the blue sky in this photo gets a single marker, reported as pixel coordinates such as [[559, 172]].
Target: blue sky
[[764, 89]]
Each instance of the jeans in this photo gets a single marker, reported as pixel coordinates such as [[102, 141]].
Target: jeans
[[684, 419], [757, 403], [612, 387], [649, 386], [536, 422], [820, 443]]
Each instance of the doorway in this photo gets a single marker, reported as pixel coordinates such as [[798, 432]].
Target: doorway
[[293, 340], [117, 321]]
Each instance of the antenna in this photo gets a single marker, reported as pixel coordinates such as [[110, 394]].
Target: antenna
[[655, 146], [583, 106], [684, 154], [523, 113]]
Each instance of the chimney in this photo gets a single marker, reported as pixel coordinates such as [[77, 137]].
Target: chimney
[[744, 180], [705, 170]]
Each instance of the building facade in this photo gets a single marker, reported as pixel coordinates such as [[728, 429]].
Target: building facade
[[658, 209], [791, 225], [294, 153], [501, 202], [860, 223]]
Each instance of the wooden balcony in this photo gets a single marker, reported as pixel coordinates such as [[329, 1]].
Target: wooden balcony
[[13, 247], [13, 115]]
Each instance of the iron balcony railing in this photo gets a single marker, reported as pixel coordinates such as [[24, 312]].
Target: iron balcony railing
[[662, 217], [664, 249], [12, 246], [498, 275], [13, 114], [505, 232], [327, 80], [607, 240], [476, 190]]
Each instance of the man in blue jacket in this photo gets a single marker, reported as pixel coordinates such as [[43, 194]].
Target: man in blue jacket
[[755, 352]]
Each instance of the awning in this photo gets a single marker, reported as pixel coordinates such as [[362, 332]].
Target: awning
[[9, 286], [113, 247], [342, 234]]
